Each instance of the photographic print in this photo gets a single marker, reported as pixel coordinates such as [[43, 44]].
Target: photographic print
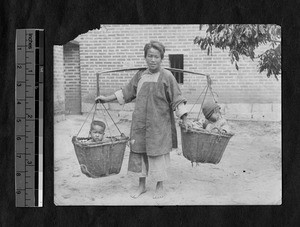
[[168, 114]]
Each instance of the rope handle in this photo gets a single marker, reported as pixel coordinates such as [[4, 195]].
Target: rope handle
[[95, 105], [112, 119], [202, 101], [209, 83], [206, 88], [85, 119], [121, 133], [98, 94]]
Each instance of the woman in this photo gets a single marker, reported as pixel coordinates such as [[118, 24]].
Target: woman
[[153, 131]]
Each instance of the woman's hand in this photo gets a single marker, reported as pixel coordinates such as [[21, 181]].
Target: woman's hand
[[104, 99], [187, 123], [101, 99]]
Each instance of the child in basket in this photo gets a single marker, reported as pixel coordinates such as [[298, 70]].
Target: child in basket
[[213, 122], [97, 133]]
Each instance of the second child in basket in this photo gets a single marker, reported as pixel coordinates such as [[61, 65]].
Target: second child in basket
[[213, 121]]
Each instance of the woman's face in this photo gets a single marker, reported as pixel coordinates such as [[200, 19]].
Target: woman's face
[[153, 59]]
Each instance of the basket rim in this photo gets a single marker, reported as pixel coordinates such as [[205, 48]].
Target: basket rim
[[76, 140], [203, 131]]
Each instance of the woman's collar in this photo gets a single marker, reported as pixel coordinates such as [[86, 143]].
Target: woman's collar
[[149, 72]]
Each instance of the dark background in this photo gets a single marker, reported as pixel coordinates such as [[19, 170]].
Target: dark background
[[65, 20]]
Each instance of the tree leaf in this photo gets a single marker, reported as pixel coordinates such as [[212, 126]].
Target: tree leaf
[[202, 45], [261, 29], [269, 73], [243, 39], [236, 66], [236, 55]]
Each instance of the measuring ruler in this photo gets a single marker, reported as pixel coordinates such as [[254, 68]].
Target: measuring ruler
[[29, 117]]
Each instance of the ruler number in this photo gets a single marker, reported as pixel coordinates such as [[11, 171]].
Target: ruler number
[[29, 77]]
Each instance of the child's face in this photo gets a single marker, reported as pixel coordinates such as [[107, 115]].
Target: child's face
[[215, 116], [97, 133]]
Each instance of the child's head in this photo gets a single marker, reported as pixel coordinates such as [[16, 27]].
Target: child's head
[[97, 130], [211, 111]]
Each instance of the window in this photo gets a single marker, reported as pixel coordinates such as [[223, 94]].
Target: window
[[176, 61]]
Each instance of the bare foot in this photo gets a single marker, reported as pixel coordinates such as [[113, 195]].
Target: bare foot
[[159, 192], [138, 192], [141, 189]]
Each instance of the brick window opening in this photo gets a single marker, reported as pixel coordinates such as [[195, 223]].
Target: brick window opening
[[176, 61]]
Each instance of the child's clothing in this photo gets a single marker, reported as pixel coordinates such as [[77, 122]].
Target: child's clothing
[[220, 124], [142, 165], [208, 109], [211, 111]]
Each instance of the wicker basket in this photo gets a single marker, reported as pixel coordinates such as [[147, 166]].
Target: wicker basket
[[100, 160], [203, 146]]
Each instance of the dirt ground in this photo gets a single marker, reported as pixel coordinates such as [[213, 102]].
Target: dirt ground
[[249, 172]]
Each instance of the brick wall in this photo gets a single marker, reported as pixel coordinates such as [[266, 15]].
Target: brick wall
[[72, 78], [117, 46], [59, 81]]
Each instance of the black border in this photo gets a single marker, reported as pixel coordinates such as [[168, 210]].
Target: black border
[[63, 21]]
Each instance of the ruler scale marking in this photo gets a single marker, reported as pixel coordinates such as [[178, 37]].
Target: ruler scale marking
[[28, 124]]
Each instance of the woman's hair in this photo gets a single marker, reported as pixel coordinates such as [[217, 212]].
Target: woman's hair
[[156, 45]]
